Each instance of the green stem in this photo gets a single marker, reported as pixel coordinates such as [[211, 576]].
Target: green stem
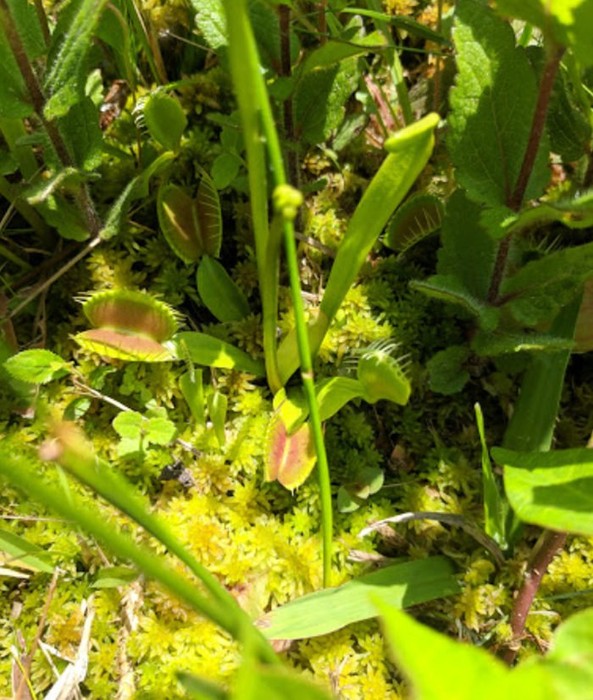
[[25, 477], [256, 113]]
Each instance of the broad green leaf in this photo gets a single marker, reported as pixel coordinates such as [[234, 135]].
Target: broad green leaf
[[467, 250], [206, 350], [320, 98], [220, 294], [495, 507], [542, 287], [23, 554], [164, 118], [117, 33], [401, 585], [66, 78], [36, 366], [551, 489], [440, 668], [492, 107], [449, 288], [114, 576], [565, 22]]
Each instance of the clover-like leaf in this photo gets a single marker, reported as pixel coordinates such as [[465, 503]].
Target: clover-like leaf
[[36, 366]]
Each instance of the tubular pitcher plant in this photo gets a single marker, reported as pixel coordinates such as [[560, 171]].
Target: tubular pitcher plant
[[408, 152]]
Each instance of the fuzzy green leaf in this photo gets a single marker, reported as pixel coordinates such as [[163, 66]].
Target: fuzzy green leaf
[[66, 78], [449, 288], [219, 292], [81, 123], [551, 489], [467, 250], [401, 585], [319, 100], [540, 289], [492, 108], [36, 366]]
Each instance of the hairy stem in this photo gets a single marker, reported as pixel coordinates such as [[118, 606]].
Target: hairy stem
[[515, 198], [549, 544]]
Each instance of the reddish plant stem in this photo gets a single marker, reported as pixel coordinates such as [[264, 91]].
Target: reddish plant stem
[[286, 72], [322, 21], [515, 199], [549, 544]]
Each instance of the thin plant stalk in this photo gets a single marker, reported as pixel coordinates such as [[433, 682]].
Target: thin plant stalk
[[254, 102], [229, 617]]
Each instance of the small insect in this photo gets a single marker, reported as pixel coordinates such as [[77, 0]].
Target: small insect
[[114, 102]]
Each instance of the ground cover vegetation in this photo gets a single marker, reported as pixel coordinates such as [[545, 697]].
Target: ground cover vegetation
[[296, 307]]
